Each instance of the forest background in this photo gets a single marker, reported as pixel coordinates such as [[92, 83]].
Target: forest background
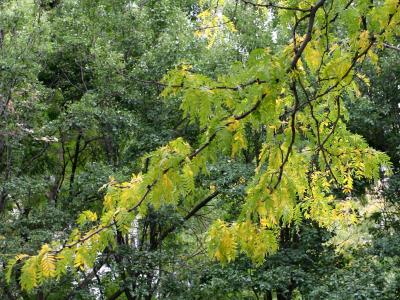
[[246, 125]]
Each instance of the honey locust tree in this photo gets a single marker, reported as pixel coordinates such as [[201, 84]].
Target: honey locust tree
[[293, 92]]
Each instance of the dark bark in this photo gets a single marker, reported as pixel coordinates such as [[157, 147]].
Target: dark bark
[[75, 161], [7, 174], [116, 295], [1, 38], [3, 200], [268, 295], [195, 209]]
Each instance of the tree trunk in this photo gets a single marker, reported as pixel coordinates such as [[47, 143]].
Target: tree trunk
[[75, 161], [1, 38], [268, 295]]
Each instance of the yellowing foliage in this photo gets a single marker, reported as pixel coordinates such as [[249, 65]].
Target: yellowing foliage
[[294, 93]]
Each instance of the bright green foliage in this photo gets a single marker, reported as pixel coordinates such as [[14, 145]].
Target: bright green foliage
[[293, 92]]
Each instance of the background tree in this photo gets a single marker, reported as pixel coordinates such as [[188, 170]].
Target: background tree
[[269, 137]]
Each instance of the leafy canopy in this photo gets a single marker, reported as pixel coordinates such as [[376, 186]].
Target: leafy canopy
[[294, 92]]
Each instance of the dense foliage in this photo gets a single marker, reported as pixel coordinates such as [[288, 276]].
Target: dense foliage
[[199, 149]]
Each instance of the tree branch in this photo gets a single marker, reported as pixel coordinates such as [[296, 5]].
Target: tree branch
[[194, 210], [308, 37], [391, 47], [272, 5]]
